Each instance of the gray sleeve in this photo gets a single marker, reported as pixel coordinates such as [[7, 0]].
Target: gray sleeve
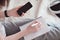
[[20, 21], [10, 27], [23, 21]]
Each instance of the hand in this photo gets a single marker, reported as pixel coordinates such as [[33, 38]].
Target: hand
[[31, 28], [14, 13]]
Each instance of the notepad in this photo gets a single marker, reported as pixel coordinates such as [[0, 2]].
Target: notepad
[[43, 29]]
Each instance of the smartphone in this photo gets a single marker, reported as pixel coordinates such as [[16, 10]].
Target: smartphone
[[24, 8]]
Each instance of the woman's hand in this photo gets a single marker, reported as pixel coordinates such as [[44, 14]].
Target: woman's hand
[[13, 12], [32, 28]]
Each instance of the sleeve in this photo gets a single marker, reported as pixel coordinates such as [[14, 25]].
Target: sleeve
[[10, 27], [21, 21]]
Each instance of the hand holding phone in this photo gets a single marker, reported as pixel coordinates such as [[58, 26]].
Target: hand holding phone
[[24, 8]]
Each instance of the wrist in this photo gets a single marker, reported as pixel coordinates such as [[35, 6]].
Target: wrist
[[24, 32], [21, 34], [27, 31]]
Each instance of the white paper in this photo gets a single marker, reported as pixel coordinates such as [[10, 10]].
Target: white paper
[[43, 29]]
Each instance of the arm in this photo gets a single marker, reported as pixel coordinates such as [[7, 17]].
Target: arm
[[17, 35], [12, 12], [20, 34]]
